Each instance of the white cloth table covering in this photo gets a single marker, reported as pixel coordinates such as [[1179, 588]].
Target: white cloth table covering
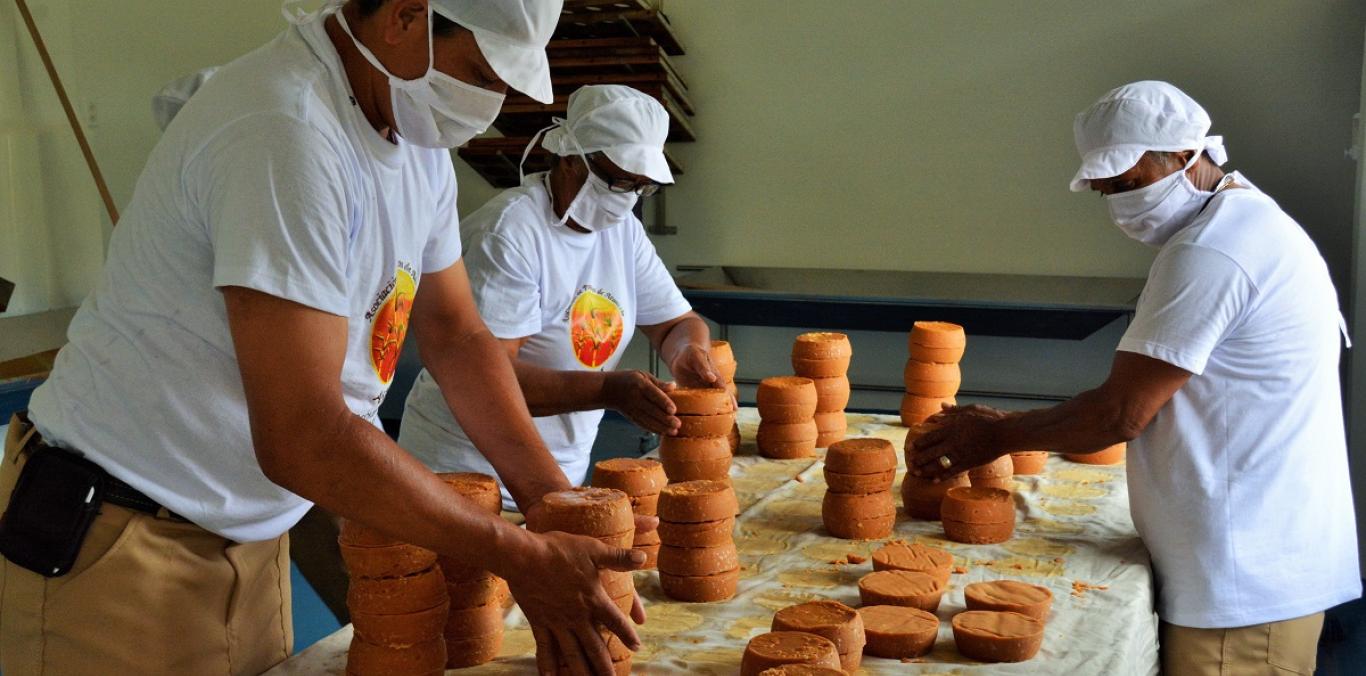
[[1073, 528]]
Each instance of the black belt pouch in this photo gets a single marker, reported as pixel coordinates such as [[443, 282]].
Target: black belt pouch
[[57, 497]]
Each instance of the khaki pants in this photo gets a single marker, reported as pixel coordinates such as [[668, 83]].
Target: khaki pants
[[1276, 649], [149, 594]]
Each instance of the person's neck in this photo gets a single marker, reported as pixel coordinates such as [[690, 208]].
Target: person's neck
[[1205, 175], [368, 86], [562, 194]]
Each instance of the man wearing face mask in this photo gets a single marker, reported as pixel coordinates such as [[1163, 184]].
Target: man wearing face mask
[[296, 218], [564, 275], [1226, 387]]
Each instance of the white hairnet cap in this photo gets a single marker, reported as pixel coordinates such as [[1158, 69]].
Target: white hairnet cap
[[1115, 131], [166, 104], [512, 34], [625, 124]]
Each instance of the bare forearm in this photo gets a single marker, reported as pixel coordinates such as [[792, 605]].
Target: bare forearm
[[551, 392], [353, 469], [480, 386], [692, 330], [1084, 424]]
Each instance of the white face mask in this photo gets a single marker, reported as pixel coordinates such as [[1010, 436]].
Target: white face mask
[[435, 110], [1153, 213], [597, 208]]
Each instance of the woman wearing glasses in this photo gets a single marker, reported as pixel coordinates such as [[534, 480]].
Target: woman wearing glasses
[[564, 276]]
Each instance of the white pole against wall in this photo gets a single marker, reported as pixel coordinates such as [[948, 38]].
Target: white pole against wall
[[1356, 373]]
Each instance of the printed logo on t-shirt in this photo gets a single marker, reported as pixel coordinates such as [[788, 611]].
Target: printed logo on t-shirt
[[388, 315], [595, 326]]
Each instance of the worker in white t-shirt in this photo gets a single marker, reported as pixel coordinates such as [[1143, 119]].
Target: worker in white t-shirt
[[564, 276], [295, 220], [1226, 387]]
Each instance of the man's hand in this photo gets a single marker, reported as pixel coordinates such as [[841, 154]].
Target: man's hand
[[978, 411], [967, 440], [557, 585], [643, 399], [691, 366]]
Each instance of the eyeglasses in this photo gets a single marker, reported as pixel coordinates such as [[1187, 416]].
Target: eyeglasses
[[621, 185]]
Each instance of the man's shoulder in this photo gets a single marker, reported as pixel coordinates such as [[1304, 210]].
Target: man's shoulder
[[280, 88]]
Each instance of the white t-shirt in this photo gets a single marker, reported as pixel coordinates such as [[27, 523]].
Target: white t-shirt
[[578, 297], [1239, 486], [269, 179]]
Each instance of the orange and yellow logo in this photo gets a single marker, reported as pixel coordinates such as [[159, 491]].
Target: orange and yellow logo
[[391, 325], [595, 328]]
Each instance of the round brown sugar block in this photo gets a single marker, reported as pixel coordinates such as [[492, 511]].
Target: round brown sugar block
[[990, 636], [475, 593], [821, 368], [368, 659], [931, 372], [1113, 455], [930, 380], [696, 502], [704, 534], [700, 589], [1029, 462], [645, 538], [828, 437], [462, 653], [400, 630], [941, 355], [861, 456], [477, 621], [831, 421], [698, 561], [901, 588], [625, 603], [778, 648], [702, 400], [721, 353], [586, 510], [1000, 468], [978, 533], [397, 595], [922, 498], [648, 505], [651, 555], [732, 390], [481, 489], [692, 449], [859, 484], [714, 469], [916, 409], [705, 426], [636, 477], [862, 528], [786, 399], [803, 670], [978, 505], [356, 534], [914, 557], [1010, 596], [859, 517], [726, 372], [832, 394], [390, 561], [457, 572], [898, 632], [822, 345], [831, 619], [622, 540], [938, 334], [787, 440]]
